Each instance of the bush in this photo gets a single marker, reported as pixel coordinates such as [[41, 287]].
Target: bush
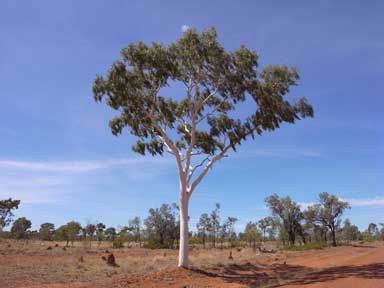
[[366, 237], [151, 244], [118, 242], [307, 246], [195, 240]]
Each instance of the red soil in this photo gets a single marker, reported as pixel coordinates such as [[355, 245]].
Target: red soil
[[340, 267]]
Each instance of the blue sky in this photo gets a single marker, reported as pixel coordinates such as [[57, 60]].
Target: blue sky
[[59, 157]]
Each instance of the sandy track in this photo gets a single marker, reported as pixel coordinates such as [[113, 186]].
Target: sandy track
[[364, 268]]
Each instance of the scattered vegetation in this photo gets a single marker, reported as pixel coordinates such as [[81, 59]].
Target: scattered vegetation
[[289, 226]]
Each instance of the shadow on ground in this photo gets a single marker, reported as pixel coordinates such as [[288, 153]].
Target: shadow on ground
[[276, 274]]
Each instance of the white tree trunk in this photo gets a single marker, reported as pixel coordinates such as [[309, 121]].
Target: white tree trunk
[[184, 232]]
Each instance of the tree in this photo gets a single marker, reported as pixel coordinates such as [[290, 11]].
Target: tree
[[6, 207], [289, 213], [252, 235], [373, 230], [329, 211], [230, 229], [20, 227], [201, 127], [162, 226], [46, 231], [100, 232], [134, 226], [110, 233], [72, 230], [350, 232], [214, 226], [90, 230], [264, 224], [382, 231], [203, 226]]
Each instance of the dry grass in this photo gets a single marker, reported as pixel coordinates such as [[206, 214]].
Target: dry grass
[[22, 263], [31, 261]]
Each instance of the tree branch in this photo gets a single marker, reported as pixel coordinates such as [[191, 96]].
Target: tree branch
[[194, 169]]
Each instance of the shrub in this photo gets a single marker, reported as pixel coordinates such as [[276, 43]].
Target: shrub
[[118, 242], [151, 244]]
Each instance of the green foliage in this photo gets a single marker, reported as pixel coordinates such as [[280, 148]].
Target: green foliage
[[100, 231], [350, 232], [265, 224], [289, 213], [367, 237], [6, 207], [110, 233], [214, 226], [251, 234], [46, 231], [20, 227], [328, 212], [162, 225], [153, 244], [203, 226], [195, 240], [216, 83], [68, 232], [134, 226], [118, 242]]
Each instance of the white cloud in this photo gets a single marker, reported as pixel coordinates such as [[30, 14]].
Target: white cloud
[[54, 181], [185, 28], [75, 166], [304, 205], [354, 202], [364, 202]]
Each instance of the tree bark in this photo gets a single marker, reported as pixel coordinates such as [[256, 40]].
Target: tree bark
[[184, 233], [333, 237]]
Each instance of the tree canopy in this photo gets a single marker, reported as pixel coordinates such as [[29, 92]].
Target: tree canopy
[[20, 227], [216, 82], [202, 124], [6, 207]]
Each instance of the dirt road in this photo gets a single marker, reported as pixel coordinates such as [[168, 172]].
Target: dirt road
[[359, 267]]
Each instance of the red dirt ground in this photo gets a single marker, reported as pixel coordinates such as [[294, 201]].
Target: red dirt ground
[[346, 266]]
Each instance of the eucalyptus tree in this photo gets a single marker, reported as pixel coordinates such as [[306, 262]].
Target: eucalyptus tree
[[214, 226], [110, 233], [20, 227], [203, 226], [71, 231], [6, 207], [350, 232], [46, 231], [162, 226], [90, 230], [200, 127], [264, 224], [134, 226], [373, 230], [230, 227], [251, 234], [289, 213], [328, 212], [100, 232]]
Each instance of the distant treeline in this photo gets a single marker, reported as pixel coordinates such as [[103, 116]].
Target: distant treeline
[[288, 224]]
